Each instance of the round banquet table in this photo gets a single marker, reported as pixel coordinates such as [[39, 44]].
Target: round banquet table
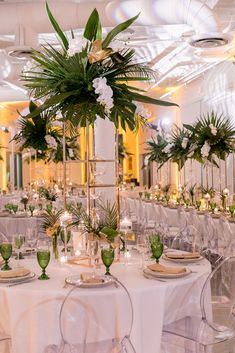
[[17, 224], [30, 311]]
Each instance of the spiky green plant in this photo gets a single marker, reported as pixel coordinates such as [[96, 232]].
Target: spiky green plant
[[64, 81], [104, 222], [156, 150], [51, 221], [178, 152], [122, 151], [215, 130], [32, 134]]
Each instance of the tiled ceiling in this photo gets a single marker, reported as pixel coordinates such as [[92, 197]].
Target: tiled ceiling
[[164, 47]]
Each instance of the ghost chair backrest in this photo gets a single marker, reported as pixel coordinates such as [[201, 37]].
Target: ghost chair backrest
[[99, 321]]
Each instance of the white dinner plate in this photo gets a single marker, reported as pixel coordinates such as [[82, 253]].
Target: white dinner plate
[[29, 276], [185, 261], [149, 272], [75, 280]]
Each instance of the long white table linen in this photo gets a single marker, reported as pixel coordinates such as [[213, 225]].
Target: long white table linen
[[18, 225], [30, 311]]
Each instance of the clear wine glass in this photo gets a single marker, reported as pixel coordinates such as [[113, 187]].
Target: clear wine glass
[[31, 239], [142, 246], [93, 248], [17, 242]]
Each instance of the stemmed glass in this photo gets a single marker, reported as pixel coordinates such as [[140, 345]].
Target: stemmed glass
[[17, 241], [14, 208], [231, 210], [31, 209], [31, 238], [198, 204], [6, 252], [93, 248], [212, 205], [156, 247], [107, 256], [43, 257], [143, 246]]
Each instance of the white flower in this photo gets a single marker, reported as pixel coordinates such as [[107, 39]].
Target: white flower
[[168, 147], [141, 111], [71, 153], [184, 142], [192, 150], [213, 129], [51, 142], [76, 45], [205, 150], [104, 92]]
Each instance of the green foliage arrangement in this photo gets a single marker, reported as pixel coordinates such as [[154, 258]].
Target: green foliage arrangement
[[156, 150], [122, 151], [87, 78], [39, 133], [211, 137], [181, 144], [103, 223], [214, 136]]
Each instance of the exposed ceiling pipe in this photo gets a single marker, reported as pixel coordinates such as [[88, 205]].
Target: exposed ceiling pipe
[[74, 15], [191, 12], [162, 12]]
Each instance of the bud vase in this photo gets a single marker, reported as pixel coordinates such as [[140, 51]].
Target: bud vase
[[55, 247]]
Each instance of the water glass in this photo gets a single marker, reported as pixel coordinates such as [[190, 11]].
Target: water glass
[[17, 242], [156, 247], [6, 252], [43, 257], [107, 256], [93, 248]]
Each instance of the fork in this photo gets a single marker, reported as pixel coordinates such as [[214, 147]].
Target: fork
[[152, 277]]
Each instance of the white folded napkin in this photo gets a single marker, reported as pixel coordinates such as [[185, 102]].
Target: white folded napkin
[[17, 272], [167, 270]]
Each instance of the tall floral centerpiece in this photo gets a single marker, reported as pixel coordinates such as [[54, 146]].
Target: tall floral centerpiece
[[89, 77]]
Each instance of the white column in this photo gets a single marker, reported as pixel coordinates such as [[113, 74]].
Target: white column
[[12, 160], [105, 149]]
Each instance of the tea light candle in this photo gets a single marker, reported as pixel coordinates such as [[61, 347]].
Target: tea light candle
[[207, 198], [63, 259], [125, 225], [65, 217], [226, 192]]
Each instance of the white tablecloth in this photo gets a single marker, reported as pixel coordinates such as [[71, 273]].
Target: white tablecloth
[[12, 225], [30, 312]]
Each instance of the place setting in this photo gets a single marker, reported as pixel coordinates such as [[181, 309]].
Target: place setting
[[160, 270]]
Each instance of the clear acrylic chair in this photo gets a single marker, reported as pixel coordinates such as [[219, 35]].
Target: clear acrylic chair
[[216, 324], [168, 232], [3, 238], [99, 323], [210, 235]]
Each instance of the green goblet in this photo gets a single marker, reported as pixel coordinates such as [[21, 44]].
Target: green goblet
[[198, 204], [31, 209], [43, 257], [212, 205], [167, 197], [156, 247], [231, 210], [62, 235], [14, 208], [6, 251], [107, 256]]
